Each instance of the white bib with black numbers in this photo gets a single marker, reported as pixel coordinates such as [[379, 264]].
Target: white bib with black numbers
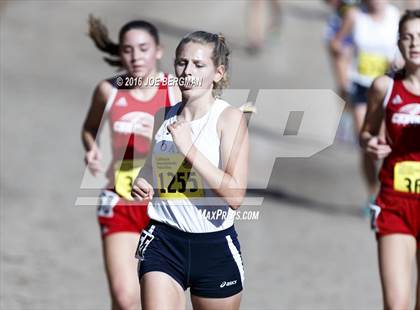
[[183, 199]]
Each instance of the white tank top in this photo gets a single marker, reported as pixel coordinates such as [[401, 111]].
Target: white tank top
[[376, 45], [183, 199]]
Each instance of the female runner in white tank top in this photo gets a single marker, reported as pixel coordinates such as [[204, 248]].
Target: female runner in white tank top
[[198, 168], [374, 27]]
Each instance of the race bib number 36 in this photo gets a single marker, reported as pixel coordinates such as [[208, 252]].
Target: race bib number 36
[[372, 65], [125, 173], [407, 177], [176, 179]]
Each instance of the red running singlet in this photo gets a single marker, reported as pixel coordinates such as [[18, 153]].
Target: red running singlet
[[400, 170]]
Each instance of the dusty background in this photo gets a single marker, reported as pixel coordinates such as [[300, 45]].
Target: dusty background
[[310, 247]]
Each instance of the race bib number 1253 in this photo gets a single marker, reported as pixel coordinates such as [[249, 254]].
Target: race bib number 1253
[[176, 178]]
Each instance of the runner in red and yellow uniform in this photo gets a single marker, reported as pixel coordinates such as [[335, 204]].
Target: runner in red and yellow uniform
[[396, 212], [129, 102]]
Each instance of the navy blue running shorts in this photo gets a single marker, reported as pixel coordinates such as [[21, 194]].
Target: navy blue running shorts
[[210, 264], [358, 94]]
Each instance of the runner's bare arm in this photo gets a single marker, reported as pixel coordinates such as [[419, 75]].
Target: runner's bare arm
[[91, 125], [234, 156], [229, 182], [369, 139], [95, 114], [336, 44]]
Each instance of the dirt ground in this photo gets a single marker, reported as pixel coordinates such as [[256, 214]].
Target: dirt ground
[[309, 249]]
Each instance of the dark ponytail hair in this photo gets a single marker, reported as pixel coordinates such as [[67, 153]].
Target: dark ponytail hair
[[407, 16], [220, 54], [98, 32]]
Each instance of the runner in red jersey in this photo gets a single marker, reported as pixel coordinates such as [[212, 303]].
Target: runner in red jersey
[[129, 102], [402, 120], [131, 124], [396, 213]]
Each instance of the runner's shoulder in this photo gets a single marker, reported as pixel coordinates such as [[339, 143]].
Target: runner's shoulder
[[231, 111], [352, 12], [103, 91], [380, 85], [231, 116]]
